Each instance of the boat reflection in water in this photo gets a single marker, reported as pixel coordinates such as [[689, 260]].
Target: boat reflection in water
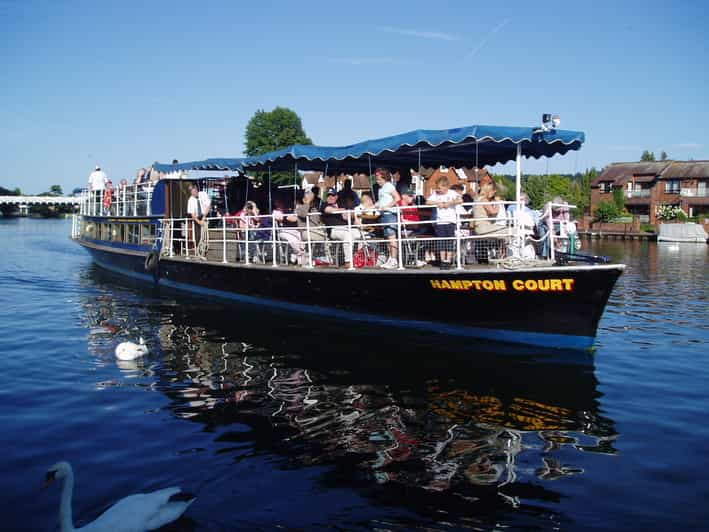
[[385, 411]]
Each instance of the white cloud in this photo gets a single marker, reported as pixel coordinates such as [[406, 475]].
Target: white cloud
[[687, 146], [487, 37], [364, 60], [421, 34]]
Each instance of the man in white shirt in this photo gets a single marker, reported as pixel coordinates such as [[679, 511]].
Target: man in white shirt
[[97, 184], [198, 208]]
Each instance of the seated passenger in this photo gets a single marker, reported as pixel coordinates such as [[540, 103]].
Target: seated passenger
[[249, 223], [289, 232], [485, 213], [445, 200], [336, 219], [367, 212], [527, 218], [310, 224]]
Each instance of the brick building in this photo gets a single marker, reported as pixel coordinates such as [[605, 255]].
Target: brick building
[[648, 185]]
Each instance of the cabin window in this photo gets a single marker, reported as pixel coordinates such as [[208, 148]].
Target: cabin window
[[90, 230], [148, 232], [104, 232], [132, 234], [672, 186], [117, 232]]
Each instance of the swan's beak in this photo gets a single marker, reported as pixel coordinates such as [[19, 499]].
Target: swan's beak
[[49, 478]]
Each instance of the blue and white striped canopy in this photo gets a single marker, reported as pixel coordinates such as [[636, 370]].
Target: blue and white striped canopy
[[463, 146]]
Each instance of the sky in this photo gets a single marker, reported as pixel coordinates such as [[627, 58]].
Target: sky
[[125, 84]]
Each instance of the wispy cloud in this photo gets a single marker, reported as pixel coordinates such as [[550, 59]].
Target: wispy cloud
[[487, 37], [364, 60], [687, 146], [420, 34], [622, 147]]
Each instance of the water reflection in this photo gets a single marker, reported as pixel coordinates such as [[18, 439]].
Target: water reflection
[[397, 413]]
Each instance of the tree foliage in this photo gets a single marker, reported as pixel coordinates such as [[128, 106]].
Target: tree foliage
[[273, 130], [575, 189], [55, 190], [647, 156], [619, 199], [663, 155], [606, 212]]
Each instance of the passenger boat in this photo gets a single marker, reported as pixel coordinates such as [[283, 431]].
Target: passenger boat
[[497, 288]]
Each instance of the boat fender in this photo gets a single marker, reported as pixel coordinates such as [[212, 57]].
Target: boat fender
[[151, 262]]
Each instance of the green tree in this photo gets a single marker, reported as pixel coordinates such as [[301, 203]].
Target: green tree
[[663, 155], [17, 191], [606, 212], [273, 130], [619, 198], [55, 190], [647, 156]]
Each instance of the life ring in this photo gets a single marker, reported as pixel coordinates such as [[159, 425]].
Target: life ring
[[151, 262]]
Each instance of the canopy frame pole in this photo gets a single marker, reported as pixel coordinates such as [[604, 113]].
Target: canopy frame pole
[[295, 182], [419, 181], [518, 195], [270, 209], [371, 186]]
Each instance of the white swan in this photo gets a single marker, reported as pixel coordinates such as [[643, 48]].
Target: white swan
[[131, 351], [142, 511]]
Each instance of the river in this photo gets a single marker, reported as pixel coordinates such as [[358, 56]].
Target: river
[[287, 423]]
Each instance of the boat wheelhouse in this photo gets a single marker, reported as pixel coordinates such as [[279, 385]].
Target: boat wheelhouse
[[507, 282]]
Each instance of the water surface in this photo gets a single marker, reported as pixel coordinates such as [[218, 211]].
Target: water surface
[[273, 420]]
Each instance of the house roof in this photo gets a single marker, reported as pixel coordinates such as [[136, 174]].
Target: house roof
[[686, 169], [619, 173]]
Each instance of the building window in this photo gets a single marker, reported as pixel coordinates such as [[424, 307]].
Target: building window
[[672, 186], [605, 187]]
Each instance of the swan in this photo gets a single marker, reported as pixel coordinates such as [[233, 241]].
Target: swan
[[131, 351], [142, 511]]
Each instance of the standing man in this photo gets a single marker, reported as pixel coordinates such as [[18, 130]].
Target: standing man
[[198, 208], [97, 184]]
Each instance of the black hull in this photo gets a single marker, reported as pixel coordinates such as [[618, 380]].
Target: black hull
[[556, 307]]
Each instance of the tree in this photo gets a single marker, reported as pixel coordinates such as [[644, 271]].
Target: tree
[[619, 198], [18, 191], [647, 156], [663, 155], [273, 130], [606, 212], [55, 190]]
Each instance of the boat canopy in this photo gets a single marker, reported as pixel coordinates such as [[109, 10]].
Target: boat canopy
[[463, 146], [208, 164]]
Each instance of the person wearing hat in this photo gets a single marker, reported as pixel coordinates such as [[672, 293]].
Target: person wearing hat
[[97, 184], [336, 220]]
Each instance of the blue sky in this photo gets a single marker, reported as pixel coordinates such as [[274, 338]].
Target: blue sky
[[125, 84]]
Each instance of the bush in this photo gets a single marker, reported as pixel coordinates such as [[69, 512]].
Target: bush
[[605, 212], [647, 228], [670, 212]]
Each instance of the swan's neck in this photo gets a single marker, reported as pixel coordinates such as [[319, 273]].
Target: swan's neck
[[65, 519]]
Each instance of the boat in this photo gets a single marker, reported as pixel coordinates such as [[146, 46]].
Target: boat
[[514, 287], [683, 232]]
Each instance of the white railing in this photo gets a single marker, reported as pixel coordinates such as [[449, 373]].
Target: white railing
[[123, 201], [694, 192], [643, 193], [361, 242]]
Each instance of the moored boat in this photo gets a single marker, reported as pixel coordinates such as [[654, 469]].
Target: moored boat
[[508, 284]]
